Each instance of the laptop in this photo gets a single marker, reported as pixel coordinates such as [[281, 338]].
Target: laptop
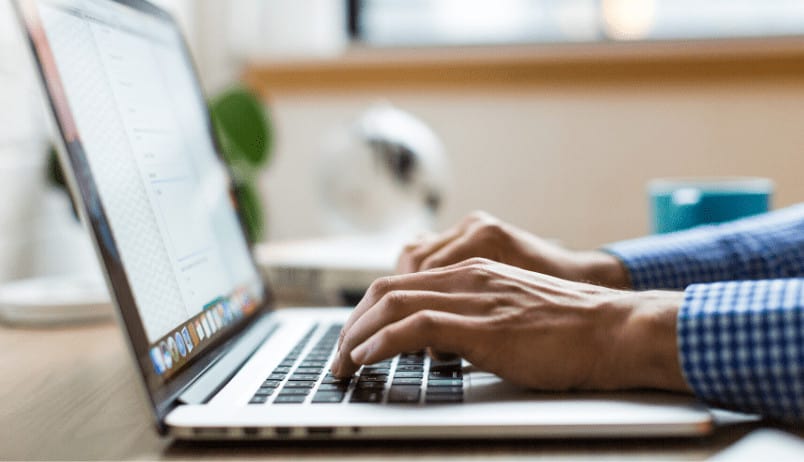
[[216, 359]]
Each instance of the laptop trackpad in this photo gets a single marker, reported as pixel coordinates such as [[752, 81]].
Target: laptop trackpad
[[484, 387]]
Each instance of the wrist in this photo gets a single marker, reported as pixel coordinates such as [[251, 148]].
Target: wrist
[[603, 269], [645, 353]]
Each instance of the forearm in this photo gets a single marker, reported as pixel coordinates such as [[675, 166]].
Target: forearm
[[763, 247]]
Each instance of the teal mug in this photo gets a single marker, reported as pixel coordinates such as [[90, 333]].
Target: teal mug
[[682, 203]]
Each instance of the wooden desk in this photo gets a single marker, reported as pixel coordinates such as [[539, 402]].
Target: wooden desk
[[71, 393]]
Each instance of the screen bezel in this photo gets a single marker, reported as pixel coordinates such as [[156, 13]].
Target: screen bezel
[[162, 393]]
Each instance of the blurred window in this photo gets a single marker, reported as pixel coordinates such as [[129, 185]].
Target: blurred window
[[481, 22]]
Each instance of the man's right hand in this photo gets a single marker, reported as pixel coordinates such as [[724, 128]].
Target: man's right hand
[[485, 236]]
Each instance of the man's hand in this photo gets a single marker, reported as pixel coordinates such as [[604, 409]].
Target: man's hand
[[482, 235], [531, 329]]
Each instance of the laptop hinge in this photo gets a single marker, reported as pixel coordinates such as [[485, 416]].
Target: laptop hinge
[[218, 374]]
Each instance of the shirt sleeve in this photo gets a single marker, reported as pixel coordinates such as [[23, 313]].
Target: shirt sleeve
[[767, 246], [741, 345]]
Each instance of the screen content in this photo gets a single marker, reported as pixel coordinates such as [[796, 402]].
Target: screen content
[[125, 91]]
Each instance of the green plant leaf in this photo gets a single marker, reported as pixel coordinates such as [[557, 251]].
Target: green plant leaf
[[250, 208], [242, 125]]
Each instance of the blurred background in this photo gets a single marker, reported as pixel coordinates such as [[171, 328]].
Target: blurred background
[[551, 114]]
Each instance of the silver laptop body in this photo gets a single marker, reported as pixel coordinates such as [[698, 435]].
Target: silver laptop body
[[216, 360]]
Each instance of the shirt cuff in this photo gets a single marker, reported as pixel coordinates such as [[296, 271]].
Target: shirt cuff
[[674, 261], [741, 345]]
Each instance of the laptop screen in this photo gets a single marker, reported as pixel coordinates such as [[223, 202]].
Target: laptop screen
[[136, 126]]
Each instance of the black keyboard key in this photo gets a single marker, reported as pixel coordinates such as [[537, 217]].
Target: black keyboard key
[[375, 369], [443, 398], [313, 363], [366, 396], [328, 397], [373, 378], [442, 374], [409, 368], [408, 374], [407, 381], [287, 363], [445, 383], [309, 370], [331, 379], [370, 385], [445, 391], [378, 375], [265, 392], [404, 394], [270, 383], [302, 377], [258, 399], [281, 369], [289, 399], [376, 365], [277, 376], [300, 384], [294, 392], [333, 387]]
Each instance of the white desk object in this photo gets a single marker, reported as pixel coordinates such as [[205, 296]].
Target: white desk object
[[327, 271], [55, 300]]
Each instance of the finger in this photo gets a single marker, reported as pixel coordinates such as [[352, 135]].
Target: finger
[[437, 330], [398, 305], [459, 250], [412, 255], [440, 280], [380, 287]]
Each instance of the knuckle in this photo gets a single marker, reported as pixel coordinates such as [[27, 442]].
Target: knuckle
[[425, 321], [478, 215], [381, 286], [479, 272], [477, 267], [477, 262], [490, 231], [405, 255], [410, 247], [394, 300]]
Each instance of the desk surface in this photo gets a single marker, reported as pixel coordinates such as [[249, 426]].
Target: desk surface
[[71, 393]]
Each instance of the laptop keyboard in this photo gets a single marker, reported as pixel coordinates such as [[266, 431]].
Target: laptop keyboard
[[410, 378]]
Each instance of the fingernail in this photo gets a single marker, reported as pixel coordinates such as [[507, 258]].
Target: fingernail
[[360, 353]]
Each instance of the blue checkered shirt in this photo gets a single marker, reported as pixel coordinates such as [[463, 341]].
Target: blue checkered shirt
[[741, 327]]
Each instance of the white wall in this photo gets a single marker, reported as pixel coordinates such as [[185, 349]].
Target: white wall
[[566, 161]]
